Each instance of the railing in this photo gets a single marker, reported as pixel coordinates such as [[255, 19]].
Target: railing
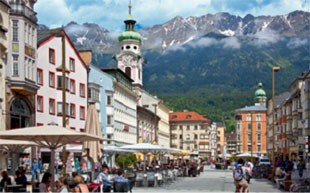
[[24, 11]]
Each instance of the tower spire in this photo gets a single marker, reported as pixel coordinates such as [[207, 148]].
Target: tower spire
[[129, 7]]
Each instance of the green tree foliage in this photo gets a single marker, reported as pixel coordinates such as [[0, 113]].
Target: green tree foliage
[[125, 160]]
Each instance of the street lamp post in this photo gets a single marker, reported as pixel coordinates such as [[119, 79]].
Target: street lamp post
[[274, 69], [61, 33]]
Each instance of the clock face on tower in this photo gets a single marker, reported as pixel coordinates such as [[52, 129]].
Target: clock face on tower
[[127, 59]]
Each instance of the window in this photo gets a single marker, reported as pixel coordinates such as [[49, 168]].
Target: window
[[59, 109], [181, 136], [93, 94], [258, 138], [248, 117], [196, 127], [195, 136], [180, 127], [82, 112], [249, 137], [249, 147], [52, 106], [249, 127], [51, 56], [15, 65], [109, 119], [109, 100], [59, 82], [72, 86], [51, 79], [259, 148], [15, 30], [82, 90], [188, 116], [72, 110], [258, 117], [72, 64], [259, 127], [40, 103], [187, 127]]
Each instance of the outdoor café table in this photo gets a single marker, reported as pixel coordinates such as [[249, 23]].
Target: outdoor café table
[[13, 188]]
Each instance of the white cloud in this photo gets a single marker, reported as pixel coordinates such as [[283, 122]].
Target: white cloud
[[265, 37], [231, 42], [110, 14], [297, 42]]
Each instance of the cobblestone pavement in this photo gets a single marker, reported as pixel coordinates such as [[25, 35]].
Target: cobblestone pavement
[[210, 180]]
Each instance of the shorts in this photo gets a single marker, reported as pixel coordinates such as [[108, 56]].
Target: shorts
[[241, 184]]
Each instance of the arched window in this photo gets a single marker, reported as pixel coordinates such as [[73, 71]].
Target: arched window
[[20, 114], [128, 71]]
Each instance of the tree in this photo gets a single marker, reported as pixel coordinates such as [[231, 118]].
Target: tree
[[125, 160]]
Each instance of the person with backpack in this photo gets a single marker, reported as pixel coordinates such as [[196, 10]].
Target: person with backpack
[[239, 175]]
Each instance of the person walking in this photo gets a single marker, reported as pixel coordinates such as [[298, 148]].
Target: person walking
[[301, 167], [35, 169], [239, 173]]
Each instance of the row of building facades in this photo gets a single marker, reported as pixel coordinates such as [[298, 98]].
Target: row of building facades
[[41, 70], [282, 127], [38, 71]]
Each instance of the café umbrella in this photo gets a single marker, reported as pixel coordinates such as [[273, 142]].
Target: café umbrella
[[51, 137], [13, 147]]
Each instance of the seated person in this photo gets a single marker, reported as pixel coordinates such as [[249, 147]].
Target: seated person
[[280, 173], [79, 184], [121, 184], [103, 179]]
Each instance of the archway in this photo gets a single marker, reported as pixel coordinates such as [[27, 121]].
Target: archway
[[20, 114]]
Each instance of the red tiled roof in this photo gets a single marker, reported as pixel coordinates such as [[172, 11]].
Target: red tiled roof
[[186, 116]]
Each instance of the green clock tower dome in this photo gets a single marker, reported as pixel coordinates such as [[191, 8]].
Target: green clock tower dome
[[130, 33], [260, 95]]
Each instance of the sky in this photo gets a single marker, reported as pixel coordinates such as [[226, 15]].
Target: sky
[[110, 14]]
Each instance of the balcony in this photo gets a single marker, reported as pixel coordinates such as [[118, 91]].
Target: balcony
[[26, 87], [22, 10]]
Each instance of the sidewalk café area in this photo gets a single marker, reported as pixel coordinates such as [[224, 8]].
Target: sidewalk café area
[[156, 173]]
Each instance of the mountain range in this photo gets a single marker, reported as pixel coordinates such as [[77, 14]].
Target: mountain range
[[212, 63]]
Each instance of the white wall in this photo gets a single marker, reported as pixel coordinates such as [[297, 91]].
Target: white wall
[[80, 76]]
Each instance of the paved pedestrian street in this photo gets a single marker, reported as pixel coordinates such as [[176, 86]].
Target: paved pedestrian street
[[210, 180]]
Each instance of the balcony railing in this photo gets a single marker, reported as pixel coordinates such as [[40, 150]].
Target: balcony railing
[[23, 11]]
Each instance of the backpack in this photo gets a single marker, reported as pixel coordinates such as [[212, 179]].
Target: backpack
[[238, 174]]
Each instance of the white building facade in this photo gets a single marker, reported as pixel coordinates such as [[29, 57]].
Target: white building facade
[[159, 109], [213, 140], [124, 119], [49, 78]]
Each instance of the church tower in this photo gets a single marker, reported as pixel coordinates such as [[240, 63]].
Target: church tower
[[260, 96], [130, 59]]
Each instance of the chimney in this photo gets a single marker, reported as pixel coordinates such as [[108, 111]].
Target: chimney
[[86, 56]]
